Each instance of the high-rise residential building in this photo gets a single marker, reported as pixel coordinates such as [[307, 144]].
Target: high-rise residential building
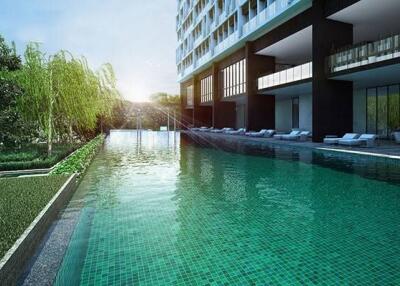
[[328, 66]]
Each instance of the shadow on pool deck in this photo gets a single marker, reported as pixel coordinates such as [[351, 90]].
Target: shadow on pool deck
[[383, 149]]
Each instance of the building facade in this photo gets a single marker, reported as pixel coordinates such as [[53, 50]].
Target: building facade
[[328, 66]]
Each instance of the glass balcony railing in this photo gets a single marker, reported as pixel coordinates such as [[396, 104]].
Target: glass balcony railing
[[203, 59], [364, 54], [225, 44], [198, 40], [266, 15], [250, 26], [286, 76]]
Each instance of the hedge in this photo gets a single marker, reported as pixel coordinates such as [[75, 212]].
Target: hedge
[[81, 158], [21, 200], [34, 157]]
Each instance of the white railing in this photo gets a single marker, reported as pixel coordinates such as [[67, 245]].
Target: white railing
[[365, 54], [286, 76], [267, 14], [198, 40], [228, 42], [250, 26], [221, 17], [203, 59]]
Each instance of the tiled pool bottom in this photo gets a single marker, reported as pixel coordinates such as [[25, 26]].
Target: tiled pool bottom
[[159, 213]]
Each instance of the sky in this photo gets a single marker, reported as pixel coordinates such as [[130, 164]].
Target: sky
[[136, 36]]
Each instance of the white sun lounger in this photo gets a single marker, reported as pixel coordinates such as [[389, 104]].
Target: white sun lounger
[[303, 135], [205, 129], [221, 130], [367, 139], [198, 129], [240, 131], [336, 140], [262, 133], [282, 136]]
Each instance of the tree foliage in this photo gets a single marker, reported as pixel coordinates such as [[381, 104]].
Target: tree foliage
[[14, 130], [63, 94], [9, 60]]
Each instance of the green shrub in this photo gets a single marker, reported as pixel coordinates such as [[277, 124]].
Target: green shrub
[[21, 200], [80, 159], [34, 157]]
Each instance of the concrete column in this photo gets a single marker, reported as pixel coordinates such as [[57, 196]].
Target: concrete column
[[224, 113], [240, 21], [332, 100], [186, 117], [260, 108], [259, 8], [216, 13], [251, 12], [202, 114]]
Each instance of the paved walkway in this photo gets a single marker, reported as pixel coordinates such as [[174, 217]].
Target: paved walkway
[[384, 148]]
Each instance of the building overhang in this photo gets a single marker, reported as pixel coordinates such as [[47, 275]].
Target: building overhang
[[379, 74], [239, 99], [295, 49], [371, 19], [288, 90], [209, 103]]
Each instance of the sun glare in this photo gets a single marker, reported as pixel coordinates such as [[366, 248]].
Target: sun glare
[[136, 94]]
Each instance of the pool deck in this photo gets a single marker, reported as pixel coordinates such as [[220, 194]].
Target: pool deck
[[383, 148]]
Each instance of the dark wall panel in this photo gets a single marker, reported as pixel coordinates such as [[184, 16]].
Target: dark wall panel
[[260, 109], [332, 100]]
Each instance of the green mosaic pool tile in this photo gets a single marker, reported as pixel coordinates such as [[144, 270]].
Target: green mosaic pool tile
[[192, 216]]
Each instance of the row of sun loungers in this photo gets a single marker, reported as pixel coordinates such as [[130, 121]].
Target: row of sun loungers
[[266, 133], [349, 139], [263, 133]]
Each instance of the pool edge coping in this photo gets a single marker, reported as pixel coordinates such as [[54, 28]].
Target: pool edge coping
[[13, 262]]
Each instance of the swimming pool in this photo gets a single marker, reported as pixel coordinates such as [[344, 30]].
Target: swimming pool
[[164, 211]]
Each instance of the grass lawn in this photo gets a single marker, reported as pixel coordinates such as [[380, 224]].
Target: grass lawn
[[34, 156], [21, 200]]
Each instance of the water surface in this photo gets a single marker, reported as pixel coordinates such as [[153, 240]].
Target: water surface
[[158, 211]]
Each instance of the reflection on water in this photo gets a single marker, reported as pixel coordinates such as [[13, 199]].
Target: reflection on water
[[161, 211]]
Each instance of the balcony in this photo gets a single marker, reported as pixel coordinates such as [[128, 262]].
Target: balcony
[[203, 59], [227, 43], [294, 74], [198, 40], [250, 26], [365, 54], [221, 17], [266, 15]]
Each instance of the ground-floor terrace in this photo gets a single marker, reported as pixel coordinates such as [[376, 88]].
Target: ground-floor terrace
[[384, 149], [330, 75]]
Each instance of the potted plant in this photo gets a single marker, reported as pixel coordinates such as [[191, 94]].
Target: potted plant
[[396, 135]]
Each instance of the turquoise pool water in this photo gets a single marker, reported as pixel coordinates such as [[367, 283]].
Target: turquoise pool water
[[166, 212]]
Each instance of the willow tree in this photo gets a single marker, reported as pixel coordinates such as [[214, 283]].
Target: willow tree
[[38, 100], [77, 89], [62, 93], [108, 95]]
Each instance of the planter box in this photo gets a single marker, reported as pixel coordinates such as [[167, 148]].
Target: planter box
[[14, 261]]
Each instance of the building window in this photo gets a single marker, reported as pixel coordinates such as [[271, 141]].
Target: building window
[[234, 79], [206, 89], [189, 95], [295, 112], [383, 110]]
